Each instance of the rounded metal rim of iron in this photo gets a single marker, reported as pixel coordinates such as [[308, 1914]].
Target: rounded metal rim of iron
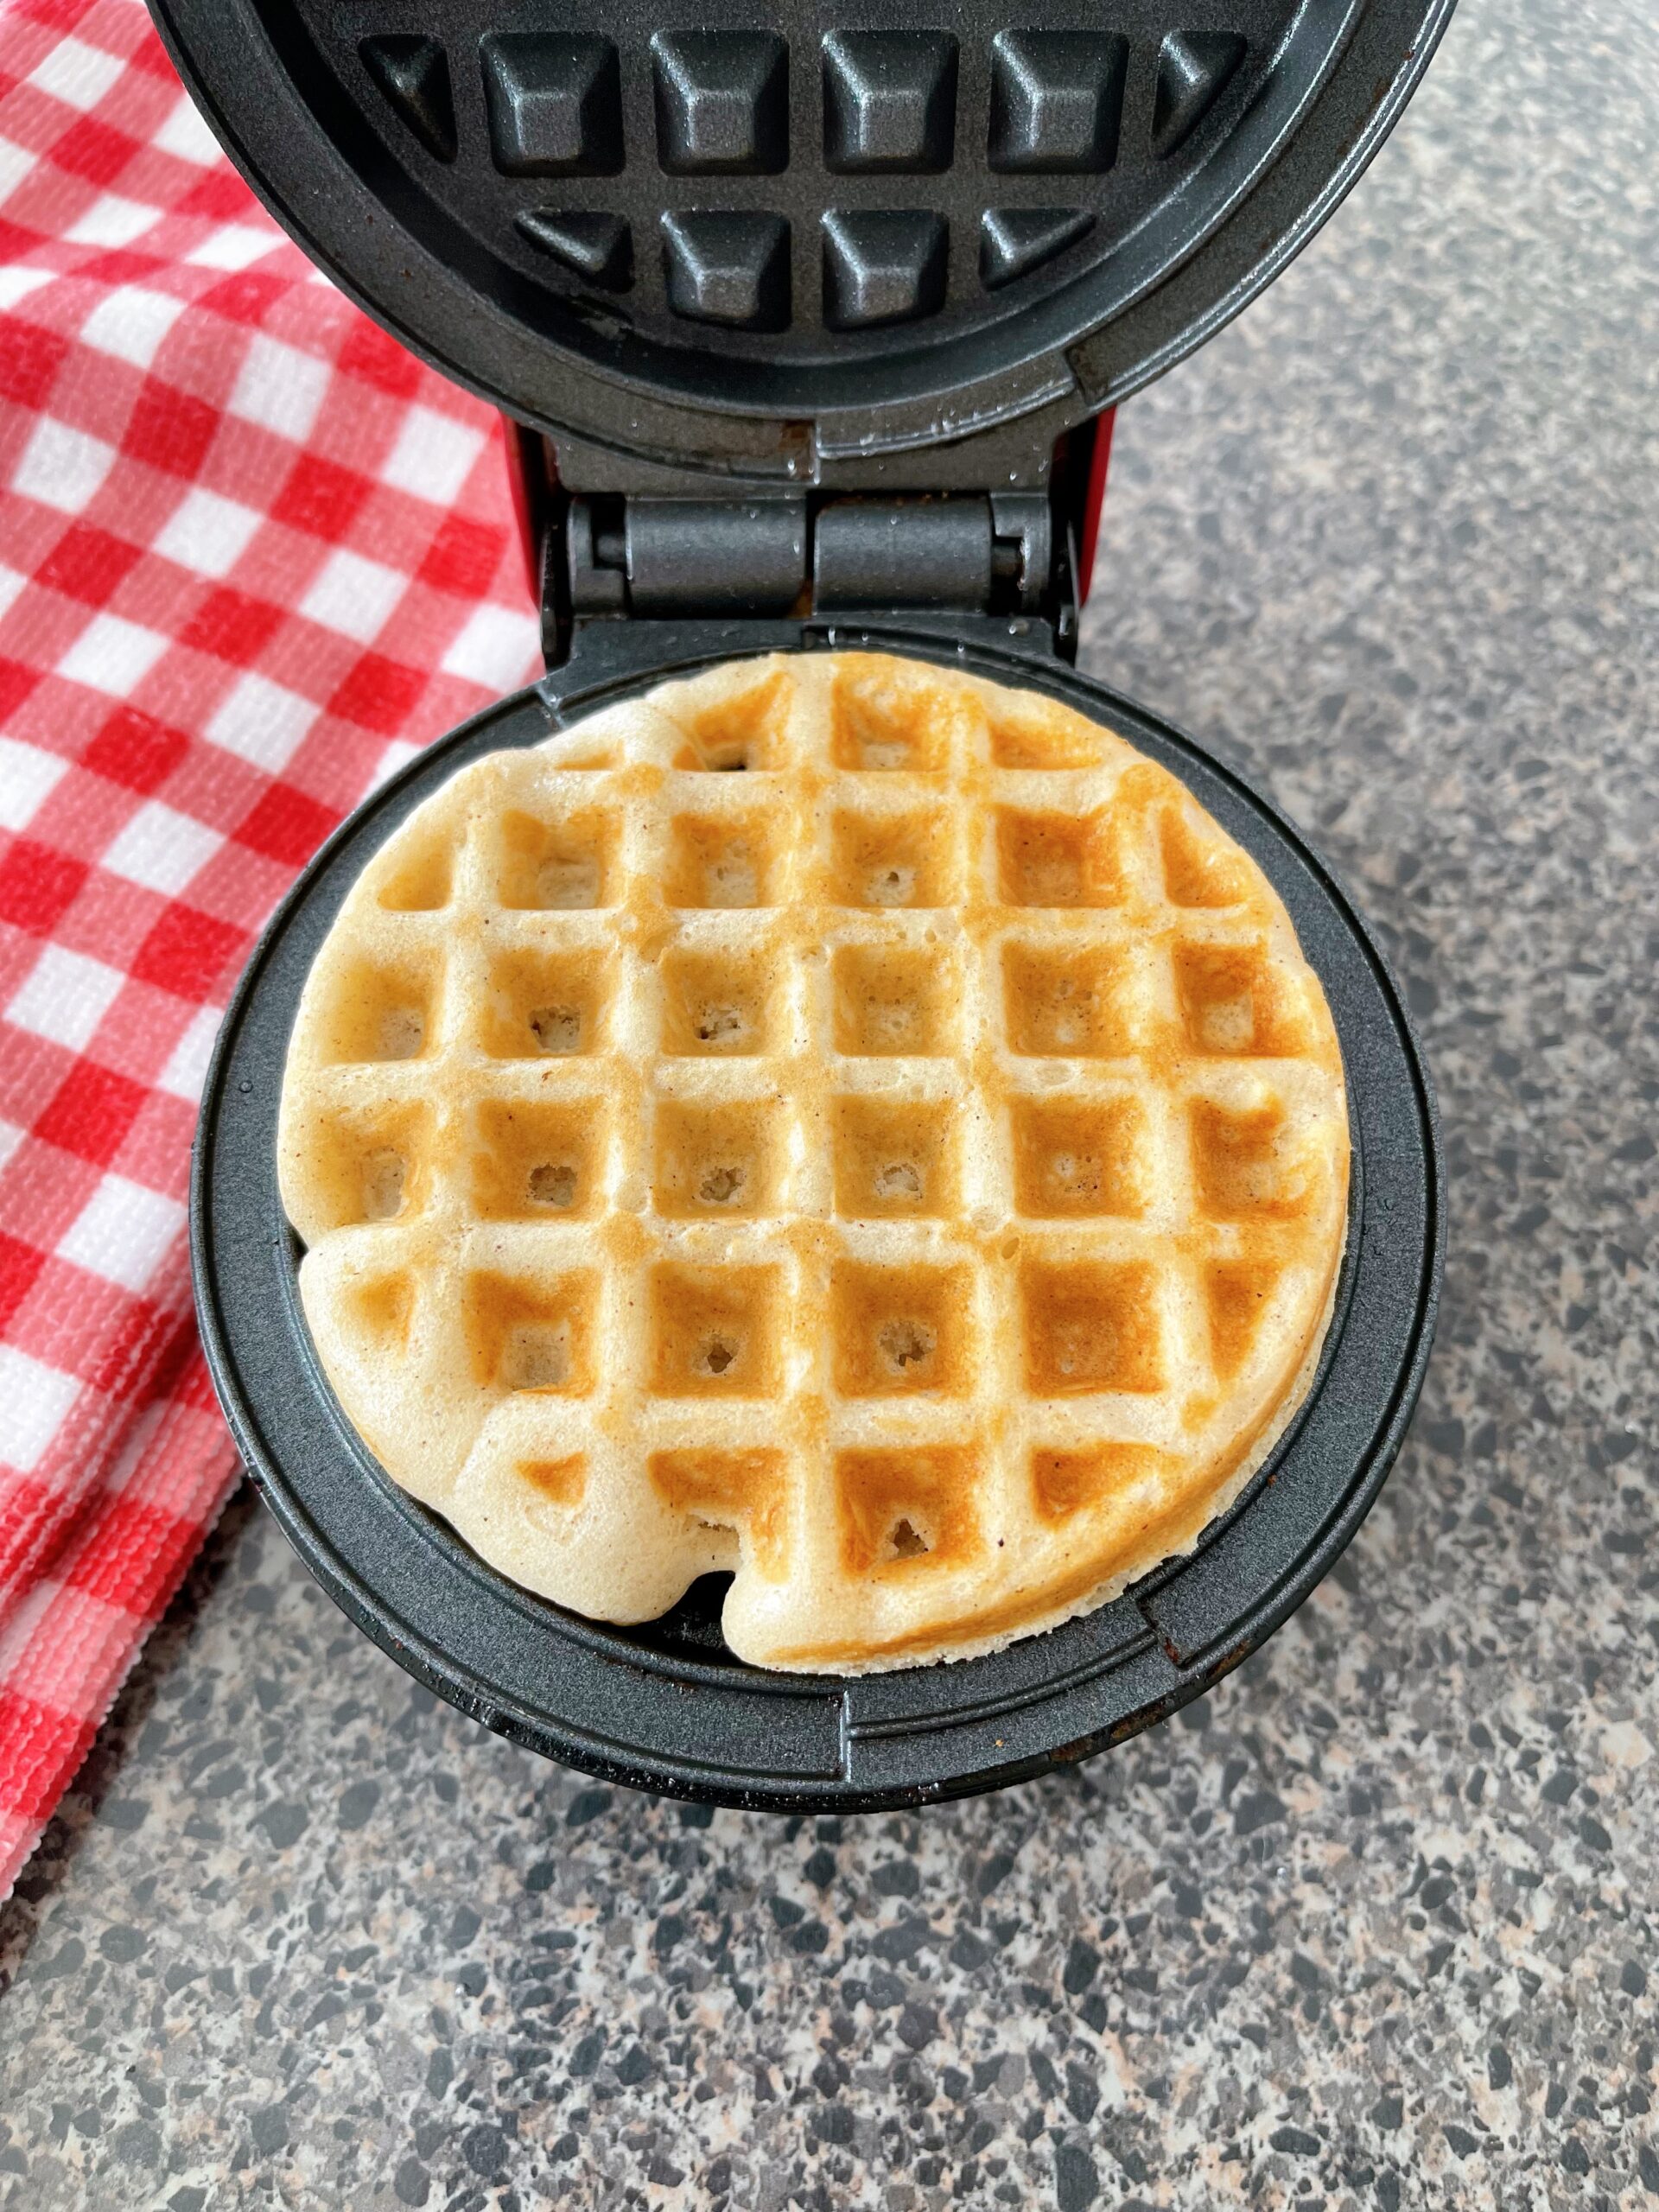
[[837, 274]]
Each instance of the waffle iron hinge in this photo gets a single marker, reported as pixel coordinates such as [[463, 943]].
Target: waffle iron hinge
[[906, 561], [807, 554]]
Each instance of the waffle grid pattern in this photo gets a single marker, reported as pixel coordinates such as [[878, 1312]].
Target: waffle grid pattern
[[785, 176], [910, 1172]]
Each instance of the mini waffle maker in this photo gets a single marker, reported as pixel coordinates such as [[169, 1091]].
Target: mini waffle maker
[[806, 318]]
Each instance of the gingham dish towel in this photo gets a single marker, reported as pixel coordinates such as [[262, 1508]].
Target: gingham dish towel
[[251, 554]]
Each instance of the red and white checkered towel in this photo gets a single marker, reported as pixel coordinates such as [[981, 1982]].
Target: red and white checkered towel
[[251, 554]]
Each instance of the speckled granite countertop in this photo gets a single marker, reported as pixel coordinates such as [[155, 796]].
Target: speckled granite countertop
[[1377, 1924]]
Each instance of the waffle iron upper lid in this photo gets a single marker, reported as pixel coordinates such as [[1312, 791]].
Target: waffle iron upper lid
[[749, 239]]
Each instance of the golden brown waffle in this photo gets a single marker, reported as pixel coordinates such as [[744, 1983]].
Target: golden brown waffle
[[911, 1173]]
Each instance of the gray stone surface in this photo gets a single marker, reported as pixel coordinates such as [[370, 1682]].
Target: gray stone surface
[[1374, 1925]]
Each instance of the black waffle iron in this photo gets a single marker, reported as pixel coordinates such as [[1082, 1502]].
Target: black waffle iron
[[806, 319]]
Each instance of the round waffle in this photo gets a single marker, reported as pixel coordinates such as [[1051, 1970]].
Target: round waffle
[[911, 1173]]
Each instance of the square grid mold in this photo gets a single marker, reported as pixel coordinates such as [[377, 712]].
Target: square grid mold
[[812, 174]]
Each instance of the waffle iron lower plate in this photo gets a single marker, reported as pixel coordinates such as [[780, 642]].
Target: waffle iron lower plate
[[665, 1706]]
